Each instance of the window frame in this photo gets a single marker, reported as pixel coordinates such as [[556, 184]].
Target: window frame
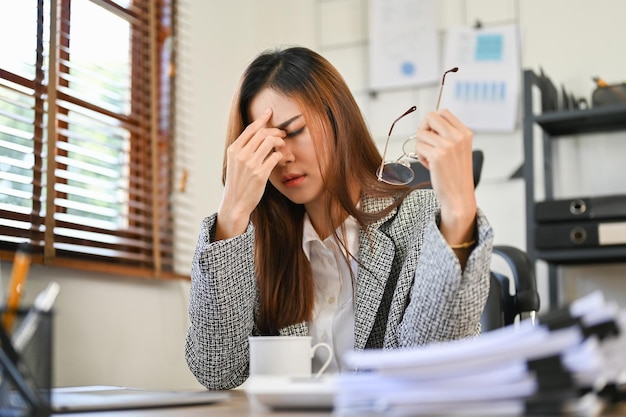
[[150, 154]]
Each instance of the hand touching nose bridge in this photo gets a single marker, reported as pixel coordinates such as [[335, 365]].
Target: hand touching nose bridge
[[277, 147], [286, 149]]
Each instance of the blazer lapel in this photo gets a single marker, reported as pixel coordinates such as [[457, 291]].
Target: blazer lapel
[[376, 254]]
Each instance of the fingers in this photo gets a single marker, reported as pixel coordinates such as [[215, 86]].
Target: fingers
[[443, 128], [256, 132], [257, 142], [445, 124], [456, 123], [442, 133]]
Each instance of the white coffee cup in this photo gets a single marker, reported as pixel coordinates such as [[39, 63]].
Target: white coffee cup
[[285, 355]]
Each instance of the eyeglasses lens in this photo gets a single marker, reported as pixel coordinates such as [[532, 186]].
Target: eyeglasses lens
[[395, 173]]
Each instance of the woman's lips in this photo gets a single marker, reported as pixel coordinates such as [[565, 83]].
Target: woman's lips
[[293, 180]]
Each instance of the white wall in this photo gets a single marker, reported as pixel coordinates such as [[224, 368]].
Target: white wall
[[128, 331]]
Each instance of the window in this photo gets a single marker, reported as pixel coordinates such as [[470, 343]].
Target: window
[[86, 135]]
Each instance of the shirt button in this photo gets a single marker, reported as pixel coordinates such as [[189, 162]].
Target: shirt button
[[331, 300], [324, 338]]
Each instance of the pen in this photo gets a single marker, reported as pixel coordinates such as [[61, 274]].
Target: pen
[[21, 264], [43, 304]]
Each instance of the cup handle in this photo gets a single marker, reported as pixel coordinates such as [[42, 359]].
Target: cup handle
[[328, 360]]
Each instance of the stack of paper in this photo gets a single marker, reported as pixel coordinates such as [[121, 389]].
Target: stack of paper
[[564, 363]]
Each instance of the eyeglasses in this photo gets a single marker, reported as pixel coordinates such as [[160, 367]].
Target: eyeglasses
[[399, 171]]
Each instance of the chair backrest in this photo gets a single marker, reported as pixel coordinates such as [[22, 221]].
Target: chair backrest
[[504, 304], [421, 175]]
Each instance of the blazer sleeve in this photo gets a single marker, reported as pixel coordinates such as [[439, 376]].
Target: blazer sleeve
[[445, 302], [222, 304]]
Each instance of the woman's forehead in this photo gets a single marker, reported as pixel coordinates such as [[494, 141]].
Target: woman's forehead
[[285, 110]]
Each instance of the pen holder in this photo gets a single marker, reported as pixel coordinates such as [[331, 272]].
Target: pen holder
[[26, 366]]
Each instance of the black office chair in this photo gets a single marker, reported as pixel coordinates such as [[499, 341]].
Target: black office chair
[[422, 175], [503, 305]]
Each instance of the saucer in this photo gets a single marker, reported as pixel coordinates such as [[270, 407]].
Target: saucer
[[288, 392]]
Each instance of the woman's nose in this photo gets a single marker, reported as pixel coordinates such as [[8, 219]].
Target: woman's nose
[[287, 151]]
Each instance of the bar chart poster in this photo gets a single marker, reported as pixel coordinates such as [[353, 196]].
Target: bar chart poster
[[404, 49], [485, 92]]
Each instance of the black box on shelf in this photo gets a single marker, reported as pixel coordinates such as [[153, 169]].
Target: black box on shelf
[[582, 234], [26, 364], [610, 94], [583, 208]]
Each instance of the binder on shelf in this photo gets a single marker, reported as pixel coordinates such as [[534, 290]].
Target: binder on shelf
[[584, 208], [582, 234]]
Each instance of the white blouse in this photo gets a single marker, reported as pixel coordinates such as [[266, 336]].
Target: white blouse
[[333, 313]]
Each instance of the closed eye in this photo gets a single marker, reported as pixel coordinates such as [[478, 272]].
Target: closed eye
[[295, 132]]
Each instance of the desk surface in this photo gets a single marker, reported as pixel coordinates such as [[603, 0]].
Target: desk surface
[[238, 406]]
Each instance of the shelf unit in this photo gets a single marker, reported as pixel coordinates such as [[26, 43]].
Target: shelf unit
[[561, 125]]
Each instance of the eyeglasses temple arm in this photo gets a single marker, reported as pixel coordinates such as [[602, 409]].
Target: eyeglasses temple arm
[[382, 163], [443, 80]]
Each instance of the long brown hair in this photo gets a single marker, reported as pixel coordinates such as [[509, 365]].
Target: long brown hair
[[348, 159]]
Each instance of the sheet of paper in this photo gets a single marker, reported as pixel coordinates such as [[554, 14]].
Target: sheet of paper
[[485, 92], [490, 348], [404, 47]]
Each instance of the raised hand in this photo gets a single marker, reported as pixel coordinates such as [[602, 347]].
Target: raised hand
[[250, 160], [444, 146]]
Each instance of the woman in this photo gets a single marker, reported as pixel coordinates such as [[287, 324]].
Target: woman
[[308, 241]]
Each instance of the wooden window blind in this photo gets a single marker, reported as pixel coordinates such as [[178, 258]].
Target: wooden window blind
[[86, 133]]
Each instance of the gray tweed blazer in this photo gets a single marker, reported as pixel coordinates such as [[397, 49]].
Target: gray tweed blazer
[[409, 289]]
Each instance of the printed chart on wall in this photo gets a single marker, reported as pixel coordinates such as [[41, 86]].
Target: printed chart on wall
[[485, 92], [403, 43]]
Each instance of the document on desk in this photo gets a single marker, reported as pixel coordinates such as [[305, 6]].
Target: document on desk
[[457, 356], [526, 369], [96, 398]]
